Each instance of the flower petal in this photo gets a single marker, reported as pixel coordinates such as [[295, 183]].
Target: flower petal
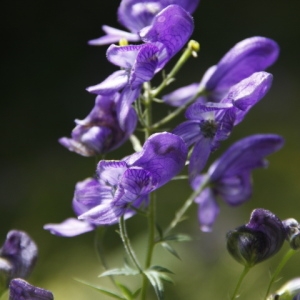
[[70, 227], [113, 83], [163, 155], [208, 209], [246, 57], [172, 27], [245, 155]]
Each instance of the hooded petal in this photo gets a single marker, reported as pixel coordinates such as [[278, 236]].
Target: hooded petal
[[245, 155], [137, 14], [163, 155], [172, 27], [248, 56], [70, 227]]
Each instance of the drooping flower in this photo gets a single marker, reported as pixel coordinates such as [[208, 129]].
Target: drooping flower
[[100, 131], [210, 123], [135, 15], [18, 256], [229, 177], [20, 289], [251, 55], [123, 185], [258, 240]]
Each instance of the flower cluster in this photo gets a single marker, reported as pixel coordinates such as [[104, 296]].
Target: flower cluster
[[227, 91]]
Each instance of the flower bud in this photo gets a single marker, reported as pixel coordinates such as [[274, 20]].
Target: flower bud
[[21, 289], [17, 256], [292, 228], [258, 240]]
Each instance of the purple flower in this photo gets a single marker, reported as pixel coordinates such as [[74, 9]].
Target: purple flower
[[230, 176], [100, 131], [123, 185], [135, 15], [258, 240], [251, 55], [168, 33], [18, 255], [20, 289], [210, 123]]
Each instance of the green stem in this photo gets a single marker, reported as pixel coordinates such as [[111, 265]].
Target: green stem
[[193, 46], [282, 263], [244, 273], [127, 245], [180, 213], [151, 243], [177, 111]]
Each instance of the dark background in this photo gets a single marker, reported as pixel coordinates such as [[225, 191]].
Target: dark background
[[45, 67]]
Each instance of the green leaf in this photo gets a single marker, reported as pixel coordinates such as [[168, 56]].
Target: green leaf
[[125, 291], [156, 282], [160, 269], [120, 271], [101, 290], [178, 238], [170, 249]]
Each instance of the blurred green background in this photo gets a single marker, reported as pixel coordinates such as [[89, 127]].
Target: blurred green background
[[46, 65]]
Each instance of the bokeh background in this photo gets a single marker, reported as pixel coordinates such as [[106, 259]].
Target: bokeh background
[[45, 67]]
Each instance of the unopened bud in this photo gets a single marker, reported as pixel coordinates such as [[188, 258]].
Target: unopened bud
[[258, 240]]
